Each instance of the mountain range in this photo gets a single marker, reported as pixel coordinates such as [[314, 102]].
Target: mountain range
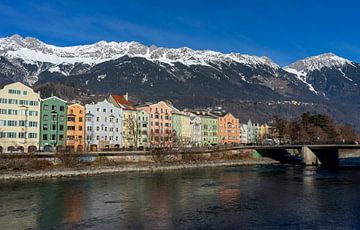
[[250, 86]]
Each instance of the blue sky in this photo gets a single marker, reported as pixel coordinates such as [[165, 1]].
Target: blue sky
[[284, 30]]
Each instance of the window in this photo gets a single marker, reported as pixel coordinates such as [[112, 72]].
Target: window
[[33, 123], [33, 113], [104, 110], [53, 107], [2, 111], [54, 117], [62, 108], [45, 127], [11, 135], [97, 119], [62, 118], [53, 137], [61, 137], [32, 135], [45, 118], [3, 100], [22, 123], [80, 119], [80, 128], [97, 128], [46, 107], [12, 112], [12, 123], [13, 101], [53, 127], [45, 137], [61, 127], [24, 92], [2, 134], [21, 135], [2, 122], [97, 137]]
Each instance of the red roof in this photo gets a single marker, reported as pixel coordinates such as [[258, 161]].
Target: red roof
[[123, 102]]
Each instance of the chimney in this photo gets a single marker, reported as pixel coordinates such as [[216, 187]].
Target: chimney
[[126, 96]]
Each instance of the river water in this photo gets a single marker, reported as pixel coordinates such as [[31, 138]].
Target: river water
[[247, 197]]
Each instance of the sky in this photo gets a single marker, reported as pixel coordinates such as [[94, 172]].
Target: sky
[[284, 30]]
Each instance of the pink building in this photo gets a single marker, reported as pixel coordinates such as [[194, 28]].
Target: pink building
[[161, 134]]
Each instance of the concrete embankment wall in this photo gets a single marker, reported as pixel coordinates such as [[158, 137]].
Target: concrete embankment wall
[[184, 157]]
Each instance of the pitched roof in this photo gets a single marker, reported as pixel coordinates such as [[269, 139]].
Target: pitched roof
[[125, 104]]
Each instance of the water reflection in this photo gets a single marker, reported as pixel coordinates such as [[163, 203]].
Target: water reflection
[[250, 197]]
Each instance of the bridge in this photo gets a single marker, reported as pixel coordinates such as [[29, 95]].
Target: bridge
[[325, 155]]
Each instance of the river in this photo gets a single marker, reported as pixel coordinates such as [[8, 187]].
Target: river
[[246, 197]]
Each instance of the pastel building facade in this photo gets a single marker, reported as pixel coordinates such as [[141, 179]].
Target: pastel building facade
[[103, 126], [143, 127], [53, 124], [19, 118], [196, 134], [129, 120], [181, 128], [209, 129], [229, 129], [161, 134], [75, 128]]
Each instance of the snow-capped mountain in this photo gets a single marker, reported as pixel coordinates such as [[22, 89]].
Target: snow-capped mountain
[[326, 60], [63, 60], [329, 75], [325, 83]]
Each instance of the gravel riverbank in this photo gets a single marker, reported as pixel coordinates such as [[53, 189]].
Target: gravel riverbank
[[71, 172]]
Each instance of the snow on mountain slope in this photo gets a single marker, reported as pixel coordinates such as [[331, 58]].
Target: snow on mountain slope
[[302, 77], [31, 51], [328, 60]]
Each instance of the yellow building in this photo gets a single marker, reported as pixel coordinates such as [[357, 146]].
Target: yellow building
[[130, 128], [181, 128], [75, 130], [130, 120], [19, 118]]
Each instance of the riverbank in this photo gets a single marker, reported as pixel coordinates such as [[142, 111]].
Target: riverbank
[[89, 171]]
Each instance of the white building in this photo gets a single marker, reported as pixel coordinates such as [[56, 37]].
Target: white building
[[244, 134], [195, 123], [19, 118], [103, 126]]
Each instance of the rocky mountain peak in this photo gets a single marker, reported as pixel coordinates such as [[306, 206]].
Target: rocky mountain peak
[[326, 60]]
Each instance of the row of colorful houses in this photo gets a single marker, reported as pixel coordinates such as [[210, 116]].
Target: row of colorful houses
[[29, 123]]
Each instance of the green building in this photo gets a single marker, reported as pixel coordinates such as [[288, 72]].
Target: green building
[[209, 129], [53, 124]]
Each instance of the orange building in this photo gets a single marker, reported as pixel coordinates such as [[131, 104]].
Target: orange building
[[229, 129], [75, 133], [160, 123]]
